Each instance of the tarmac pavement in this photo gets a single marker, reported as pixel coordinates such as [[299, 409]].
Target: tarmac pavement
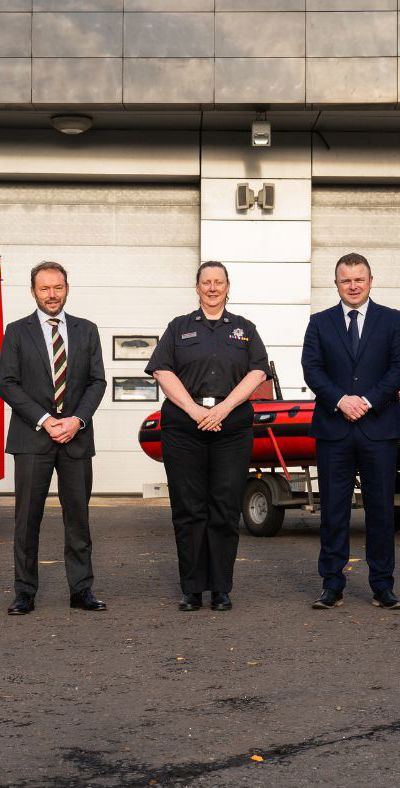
[[144, 695]]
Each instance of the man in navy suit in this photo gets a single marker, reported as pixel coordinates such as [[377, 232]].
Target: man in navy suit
[[351, 360]]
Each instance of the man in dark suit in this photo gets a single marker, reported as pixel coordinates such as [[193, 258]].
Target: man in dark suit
[[351, 360], [52, 376]]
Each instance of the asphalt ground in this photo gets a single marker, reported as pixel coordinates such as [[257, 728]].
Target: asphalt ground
[[144, 695]]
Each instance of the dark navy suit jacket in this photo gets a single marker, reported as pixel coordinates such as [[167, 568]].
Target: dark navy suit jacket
[[331, 370]]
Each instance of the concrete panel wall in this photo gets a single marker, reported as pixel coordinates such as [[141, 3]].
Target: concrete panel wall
[[100, 155], [15, 35], [256, 240], [169, 35], [357, 156], [77, 35], [231, 156], [270, 283], [351, 5], [340, 34], [260, 34], [198, 52], [356, 80]]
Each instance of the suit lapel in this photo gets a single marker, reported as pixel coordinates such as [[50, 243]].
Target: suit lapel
[[369, 322], [73, 343], [37, 335], [338, 319]]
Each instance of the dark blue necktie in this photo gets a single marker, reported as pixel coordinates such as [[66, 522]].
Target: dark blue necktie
[[353, 331]]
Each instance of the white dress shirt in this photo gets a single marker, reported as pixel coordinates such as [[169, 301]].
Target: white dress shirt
[[47, 333], [362, 311]]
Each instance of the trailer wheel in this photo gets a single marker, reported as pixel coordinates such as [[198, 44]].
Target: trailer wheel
[[261, 517]]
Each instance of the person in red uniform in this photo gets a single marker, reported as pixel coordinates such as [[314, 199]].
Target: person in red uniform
[[208, 363]]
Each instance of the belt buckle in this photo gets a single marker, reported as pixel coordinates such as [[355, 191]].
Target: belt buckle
[[208, 402]]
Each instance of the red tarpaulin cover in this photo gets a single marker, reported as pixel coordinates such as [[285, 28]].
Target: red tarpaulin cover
[[1, 401]]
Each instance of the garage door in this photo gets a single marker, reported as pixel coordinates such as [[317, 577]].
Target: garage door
[[131, 252], [361, 219]]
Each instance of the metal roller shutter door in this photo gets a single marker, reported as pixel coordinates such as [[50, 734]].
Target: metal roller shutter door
[[131, 252], [363, 219]]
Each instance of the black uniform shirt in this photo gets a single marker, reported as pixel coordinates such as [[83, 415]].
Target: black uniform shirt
[[209, 360]]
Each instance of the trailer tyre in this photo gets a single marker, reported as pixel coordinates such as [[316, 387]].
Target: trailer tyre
[[261, 517]]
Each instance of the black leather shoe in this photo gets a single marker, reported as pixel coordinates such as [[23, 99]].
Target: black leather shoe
[[220, 601], [387, 599], [190, 602], [329, 598], [23, 604], [85, 600]]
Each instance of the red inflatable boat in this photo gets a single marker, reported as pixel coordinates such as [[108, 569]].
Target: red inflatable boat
[[281, 431]]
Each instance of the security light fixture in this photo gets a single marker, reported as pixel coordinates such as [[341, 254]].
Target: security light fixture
[[266, 197], [71, 124], [244, 197], [260, 134]]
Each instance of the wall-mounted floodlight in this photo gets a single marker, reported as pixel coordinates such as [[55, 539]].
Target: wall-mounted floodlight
[[261, 134], [266, 197], [245, 198]]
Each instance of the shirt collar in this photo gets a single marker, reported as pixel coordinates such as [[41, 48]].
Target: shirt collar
[[361, 309], [199, 315], [43, 317]]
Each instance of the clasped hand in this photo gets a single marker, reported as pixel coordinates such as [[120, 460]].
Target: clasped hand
[[210, 419], [62, 430], [353, 407]]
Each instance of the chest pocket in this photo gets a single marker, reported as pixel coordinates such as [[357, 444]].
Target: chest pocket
[[238, 344], [187, 351], [179, 343]]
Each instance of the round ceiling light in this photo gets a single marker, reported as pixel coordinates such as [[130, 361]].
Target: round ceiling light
[[71, 124]]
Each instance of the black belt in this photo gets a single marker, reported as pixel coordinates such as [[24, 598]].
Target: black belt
[[208, 402]]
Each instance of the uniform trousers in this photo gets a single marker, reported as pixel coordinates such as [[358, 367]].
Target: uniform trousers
[[33, 474], [206, 473], [338, 463]]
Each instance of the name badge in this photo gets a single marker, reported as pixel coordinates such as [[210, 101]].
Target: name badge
[[189, 336]]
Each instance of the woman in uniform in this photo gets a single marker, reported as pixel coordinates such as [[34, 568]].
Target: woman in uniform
[[208, 363]]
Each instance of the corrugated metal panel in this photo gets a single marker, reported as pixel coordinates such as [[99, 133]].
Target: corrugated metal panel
[[363, 219], [131, 252]]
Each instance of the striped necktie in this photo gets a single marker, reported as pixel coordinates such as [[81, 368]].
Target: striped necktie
[[59, 364]]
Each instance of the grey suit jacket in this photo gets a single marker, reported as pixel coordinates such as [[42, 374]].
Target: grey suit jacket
[[26, 384]]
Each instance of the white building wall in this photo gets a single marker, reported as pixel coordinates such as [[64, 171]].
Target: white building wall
[[267, 253]]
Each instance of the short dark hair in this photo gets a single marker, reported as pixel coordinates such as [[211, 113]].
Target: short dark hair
[[47, 265], [353, 258], [211, 264]]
